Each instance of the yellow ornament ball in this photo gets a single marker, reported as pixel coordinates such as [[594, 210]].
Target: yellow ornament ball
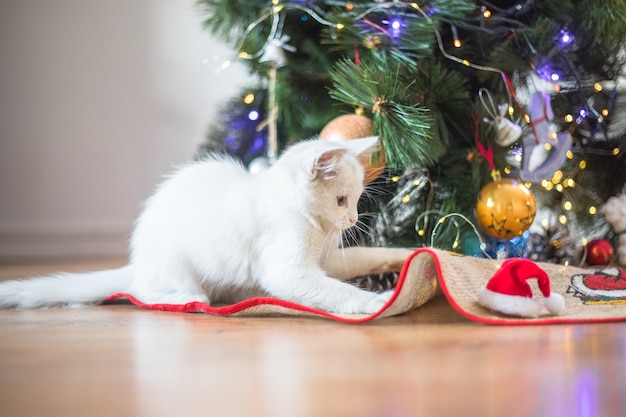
[[355, 126], [505, 208]]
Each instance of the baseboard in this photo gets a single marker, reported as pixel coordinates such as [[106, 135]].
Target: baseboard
[[63, 241]]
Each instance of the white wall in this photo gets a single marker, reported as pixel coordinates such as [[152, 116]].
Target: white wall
[[98, 99]]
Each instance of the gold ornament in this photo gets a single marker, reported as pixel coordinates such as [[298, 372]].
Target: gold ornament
[[355, 126], [505, 208]]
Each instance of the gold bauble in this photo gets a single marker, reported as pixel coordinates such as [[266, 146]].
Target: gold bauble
[[505, 208], [355, 126]]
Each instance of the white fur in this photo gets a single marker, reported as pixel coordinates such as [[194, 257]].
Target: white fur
[[213, 232]]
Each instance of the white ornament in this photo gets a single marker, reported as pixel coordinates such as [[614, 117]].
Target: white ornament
[[274, 51], [507, 131], [543, 152], [614, 211]]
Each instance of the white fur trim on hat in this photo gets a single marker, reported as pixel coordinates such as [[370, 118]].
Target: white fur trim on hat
[[516, 305], [554, 303]]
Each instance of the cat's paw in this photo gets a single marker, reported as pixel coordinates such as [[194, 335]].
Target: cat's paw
[[378, 302], [370, 303]]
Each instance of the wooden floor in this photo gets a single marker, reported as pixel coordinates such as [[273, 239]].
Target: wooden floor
[[118, 360]]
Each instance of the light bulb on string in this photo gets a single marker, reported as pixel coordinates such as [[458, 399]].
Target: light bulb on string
[[455, 36], [565, 38]]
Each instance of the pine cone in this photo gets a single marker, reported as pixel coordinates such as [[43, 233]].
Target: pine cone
[[553, 244]]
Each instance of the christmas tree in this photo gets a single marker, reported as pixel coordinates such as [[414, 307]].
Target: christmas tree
[[502, 124]]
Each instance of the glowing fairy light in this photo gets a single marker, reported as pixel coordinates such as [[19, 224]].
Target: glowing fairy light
[[455, 36], [249, 98], [565, 38], [486, 13], [569, 118], [555, 77], [253, 115], [598, 87], [593, 210]]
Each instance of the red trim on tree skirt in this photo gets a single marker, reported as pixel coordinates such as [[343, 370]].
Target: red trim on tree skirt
[[459, 278]]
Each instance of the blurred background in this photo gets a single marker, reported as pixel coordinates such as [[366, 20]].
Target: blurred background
[[98, 101]]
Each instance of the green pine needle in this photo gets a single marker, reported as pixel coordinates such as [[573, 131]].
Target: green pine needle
[[402, 123]]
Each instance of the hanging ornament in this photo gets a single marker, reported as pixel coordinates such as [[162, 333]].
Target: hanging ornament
[[507, 132], [599, 252], [505, 208], [614, 211], [273, 54], [356, 126], [543, 151]]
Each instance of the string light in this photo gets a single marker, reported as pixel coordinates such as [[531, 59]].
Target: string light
[[486, 13], [593, 210], [566, 38], [582, 164], [605, 112], [455, 36], [615, 151], [562, 219], [253, 115], [249, 98], [597, 87], [567, 205], [569, 118]]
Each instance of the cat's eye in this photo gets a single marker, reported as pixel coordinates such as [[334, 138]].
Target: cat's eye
[[342, 200]]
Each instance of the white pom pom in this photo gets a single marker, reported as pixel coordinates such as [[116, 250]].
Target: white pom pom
[[555, 303]]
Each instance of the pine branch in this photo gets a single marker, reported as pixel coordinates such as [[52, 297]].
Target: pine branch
[[402, 124]]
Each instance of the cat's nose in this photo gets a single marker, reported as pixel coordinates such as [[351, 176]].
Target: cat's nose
[[352, 221]]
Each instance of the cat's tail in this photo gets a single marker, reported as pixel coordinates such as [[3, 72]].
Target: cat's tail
[[66, 289]]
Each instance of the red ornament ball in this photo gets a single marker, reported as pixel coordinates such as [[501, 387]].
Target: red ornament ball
[[599, 252]]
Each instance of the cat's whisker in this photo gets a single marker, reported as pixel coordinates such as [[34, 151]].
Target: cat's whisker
[[363, 228], [333, 234]]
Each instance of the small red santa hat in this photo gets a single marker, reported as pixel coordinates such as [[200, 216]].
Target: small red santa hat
[[508, 291]]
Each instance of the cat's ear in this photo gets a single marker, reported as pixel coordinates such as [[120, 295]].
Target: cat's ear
[[363, 147], [326, 164]]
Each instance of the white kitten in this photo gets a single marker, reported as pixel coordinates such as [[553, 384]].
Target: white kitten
[[213, 232]]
